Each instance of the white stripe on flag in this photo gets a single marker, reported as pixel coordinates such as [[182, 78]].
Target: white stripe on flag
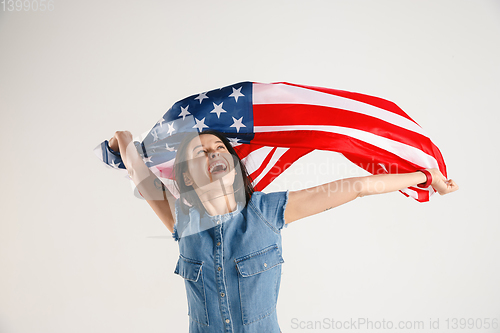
[[276, 156], [253, 160]]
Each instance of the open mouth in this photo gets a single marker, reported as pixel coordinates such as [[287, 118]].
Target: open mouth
[[217, 167]]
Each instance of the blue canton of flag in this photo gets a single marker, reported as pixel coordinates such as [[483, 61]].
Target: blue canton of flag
[[228, 110]]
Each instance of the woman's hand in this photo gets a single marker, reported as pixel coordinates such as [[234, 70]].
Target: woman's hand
[[120, 142], [441, 184], [121, 138], [113, 144]]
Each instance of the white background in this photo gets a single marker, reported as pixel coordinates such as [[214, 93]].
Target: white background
[[80, 253]]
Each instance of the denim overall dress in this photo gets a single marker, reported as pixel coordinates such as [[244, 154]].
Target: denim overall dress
[[231, 265]]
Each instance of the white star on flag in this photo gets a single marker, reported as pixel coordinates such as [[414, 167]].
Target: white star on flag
[[234, 141], [169, 148], [218, 109], [160, 122], [237, 93], [171, 128], [238, 124], [202, 96], [184, 112], [112, 163], [147, 159], [200, 124], [155, 135]]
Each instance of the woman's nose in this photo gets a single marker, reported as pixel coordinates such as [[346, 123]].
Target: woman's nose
[[213, 154]]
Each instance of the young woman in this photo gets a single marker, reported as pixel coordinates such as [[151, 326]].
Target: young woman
[[229, 235]]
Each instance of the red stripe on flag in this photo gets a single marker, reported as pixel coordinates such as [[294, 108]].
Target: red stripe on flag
[[263, 165]]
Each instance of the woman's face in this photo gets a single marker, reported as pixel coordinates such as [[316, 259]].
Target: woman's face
[[208, 161]]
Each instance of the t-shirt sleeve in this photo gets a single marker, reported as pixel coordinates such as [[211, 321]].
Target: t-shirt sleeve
[[272, 207]]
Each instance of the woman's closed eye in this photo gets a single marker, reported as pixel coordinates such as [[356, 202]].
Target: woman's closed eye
[[204, 151]]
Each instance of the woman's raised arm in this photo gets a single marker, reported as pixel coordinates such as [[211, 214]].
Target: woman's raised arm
[[149, 186], [317, 199]]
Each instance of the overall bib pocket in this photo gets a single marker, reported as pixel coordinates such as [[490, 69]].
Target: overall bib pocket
[[191, 271], [258, 274]]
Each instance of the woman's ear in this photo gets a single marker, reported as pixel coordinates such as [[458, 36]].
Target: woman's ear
[[187, 179]]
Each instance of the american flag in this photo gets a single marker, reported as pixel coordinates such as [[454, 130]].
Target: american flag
[[272, 125]]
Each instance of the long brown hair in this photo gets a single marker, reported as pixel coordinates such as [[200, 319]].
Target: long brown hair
[[242, 186]]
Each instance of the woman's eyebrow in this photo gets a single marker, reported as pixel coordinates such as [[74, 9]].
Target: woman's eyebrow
[[218, 141]]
